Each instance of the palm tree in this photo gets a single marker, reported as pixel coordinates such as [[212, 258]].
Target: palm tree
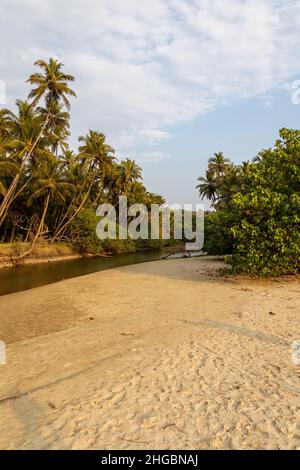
[[244, 167], [7, 166], [6, 120], [98, 156], [138, 193], [218, 164], [230, 183], [208, 186], [95, 152], [77, 175], [129, 172], [52, 85], [58, 128], [49, 183], [25, 129]]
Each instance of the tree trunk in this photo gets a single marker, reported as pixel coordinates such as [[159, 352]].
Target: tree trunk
[[41, 225], [61, 231], [10, 193]]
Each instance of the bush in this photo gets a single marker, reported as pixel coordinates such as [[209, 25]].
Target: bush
[[217, 239], [119, 246], [83, 233], [266, 212]]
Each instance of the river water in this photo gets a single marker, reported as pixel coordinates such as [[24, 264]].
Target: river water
[[28, 276]]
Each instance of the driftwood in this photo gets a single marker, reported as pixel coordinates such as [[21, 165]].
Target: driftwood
[[100, 255], [170, 254], [182, 255]]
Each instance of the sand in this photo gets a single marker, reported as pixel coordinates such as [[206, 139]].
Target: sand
[[162, 355]]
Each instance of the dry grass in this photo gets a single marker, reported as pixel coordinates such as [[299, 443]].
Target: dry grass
[[41, 250]]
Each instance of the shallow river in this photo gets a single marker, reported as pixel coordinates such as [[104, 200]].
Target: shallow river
[[28, 276]]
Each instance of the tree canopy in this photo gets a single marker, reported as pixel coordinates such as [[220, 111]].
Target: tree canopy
[[44, 184], [257, 209]]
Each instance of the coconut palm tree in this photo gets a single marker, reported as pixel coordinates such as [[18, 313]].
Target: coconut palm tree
[[218, 164], [98, 156], [50, 85], [24, 140], [129, 172], [6, 123], [49, 183], [58, 128], [230, 183], [208, 186], [77, 174], [94, 151]]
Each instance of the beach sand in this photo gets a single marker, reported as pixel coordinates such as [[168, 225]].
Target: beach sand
[[162, 355]]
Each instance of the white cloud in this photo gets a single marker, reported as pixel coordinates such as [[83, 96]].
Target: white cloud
[[142, 67]]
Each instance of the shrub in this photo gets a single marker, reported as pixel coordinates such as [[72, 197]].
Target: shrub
[[83, 233], [217, 239], [266, 212]]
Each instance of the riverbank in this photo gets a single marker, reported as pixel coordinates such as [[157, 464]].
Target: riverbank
[[42, 253], [162, 355], [53, 252]]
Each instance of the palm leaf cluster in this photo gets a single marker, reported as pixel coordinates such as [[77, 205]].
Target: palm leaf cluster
[[222, 180]]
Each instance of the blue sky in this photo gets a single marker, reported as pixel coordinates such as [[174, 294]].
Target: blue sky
[[168, 81], [240, 131]]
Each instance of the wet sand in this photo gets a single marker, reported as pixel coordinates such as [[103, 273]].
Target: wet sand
[[162, 355]]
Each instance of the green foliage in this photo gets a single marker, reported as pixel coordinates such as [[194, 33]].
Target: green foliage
[[119, 246], [83, 233], [217, 240], [258, 210], [48, 190], [149, 245], [267, 211]]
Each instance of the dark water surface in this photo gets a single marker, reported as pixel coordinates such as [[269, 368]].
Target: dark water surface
[[28, 276]]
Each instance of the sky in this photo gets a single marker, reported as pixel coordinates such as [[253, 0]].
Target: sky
[[169, 82]]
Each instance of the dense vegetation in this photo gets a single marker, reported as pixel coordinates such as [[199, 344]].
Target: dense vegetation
[[257, 208], [48, 191]]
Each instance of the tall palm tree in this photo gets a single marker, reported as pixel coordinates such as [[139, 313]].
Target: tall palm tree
[[52, 85], [208, 186], [94, 150], [25, 129], [129, 172], [98, 156], [58, 128], [218, 164], [230, 183]]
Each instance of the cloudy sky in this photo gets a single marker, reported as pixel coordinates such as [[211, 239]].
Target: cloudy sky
[[168, 81]]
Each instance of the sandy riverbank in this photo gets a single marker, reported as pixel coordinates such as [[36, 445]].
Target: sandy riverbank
[[165, 355]]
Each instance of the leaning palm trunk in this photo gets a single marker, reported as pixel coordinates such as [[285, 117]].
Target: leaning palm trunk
[[16, 260], [64, 217], [41, 225], [9, 196], [61, 231]]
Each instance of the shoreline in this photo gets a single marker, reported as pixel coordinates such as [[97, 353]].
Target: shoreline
[[9, 265], [38, 259]]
